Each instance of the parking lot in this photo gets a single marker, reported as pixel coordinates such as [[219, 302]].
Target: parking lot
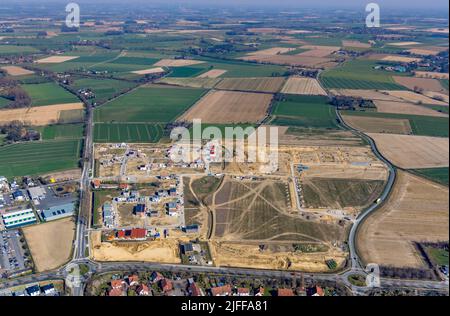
[[12, 259]]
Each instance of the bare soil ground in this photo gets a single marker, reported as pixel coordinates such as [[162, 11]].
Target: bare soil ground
[[414, 152], [50, 243], [207, 83], [227, 254], [421, 83], [39, 115], [56, 59], [17, 71], [293, 60], [149, 71], [401, 59], [303, 86], [177, 62], [378, 125], [347, 171], [271, 51], [405, 108], [366, 94], [215, 73], [355, 44], [423, 52], [270, 85], [415, 97], [429, 74], [417, 211], [437, 96], [229, 107], [163, 251]]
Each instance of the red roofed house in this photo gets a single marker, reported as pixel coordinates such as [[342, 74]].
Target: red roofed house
[[118, 284], [195, 290], [123, 186], [133, 280], [166, 285], [138, 233], [96, 183], [285, 292], [156, 277], [221, 290], [242, 291], [116, 292], [315, 291], [143, 290]]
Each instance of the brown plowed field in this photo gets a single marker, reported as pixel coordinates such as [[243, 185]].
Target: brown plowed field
[[270, 85], [405, 108], [413, 152], [230, 107], [378, 125], [416, 211], [422, 83], [304, 86]]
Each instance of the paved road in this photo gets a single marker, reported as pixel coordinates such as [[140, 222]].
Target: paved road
[[356, 263]]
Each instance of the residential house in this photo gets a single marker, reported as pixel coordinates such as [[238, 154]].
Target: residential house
[[18, 196], [133, 280], [143, 290], [34, 290], [191, 229], [48, 289], [155, 277], [285, 292], [166, 285], [140, 210], [224, 290], [315, 291], [194, 290], [259, 291], [241, 291]]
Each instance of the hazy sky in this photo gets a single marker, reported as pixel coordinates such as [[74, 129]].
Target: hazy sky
[[405, 4]]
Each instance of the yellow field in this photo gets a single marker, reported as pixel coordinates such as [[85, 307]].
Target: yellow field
[[303, 86], [55, 59]]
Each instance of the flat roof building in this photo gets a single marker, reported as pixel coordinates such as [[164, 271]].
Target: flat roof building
[[57, 212], [37, 193], [19, 218]]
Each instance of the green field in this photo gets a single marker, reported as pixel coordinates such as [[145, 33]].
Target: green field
[[127, 132], [304, 111], [36, 158], [359, 74], [421, 125], [48, 94], [153, 104], [186, 72], [16, 50], [3, 102], [104, 89], [439, 175], [439, 256], [58, 132]]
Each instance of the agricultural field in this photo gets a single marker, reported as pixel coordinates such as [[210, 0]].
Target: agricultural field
[[413, 152], [28, 159], [359, 74], [340, 193], [223, 107], [44, 115], [16, 50], [17, 71], [269, 85], [416, 211], [127, 132], [439, 175], [303, 86], [420, 125], [378, 125], [405, 108], [149, 104], [204, 83], [423, 84], [47, 251], [304, 111], [59, 132], [48, 94], [104, 89]]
